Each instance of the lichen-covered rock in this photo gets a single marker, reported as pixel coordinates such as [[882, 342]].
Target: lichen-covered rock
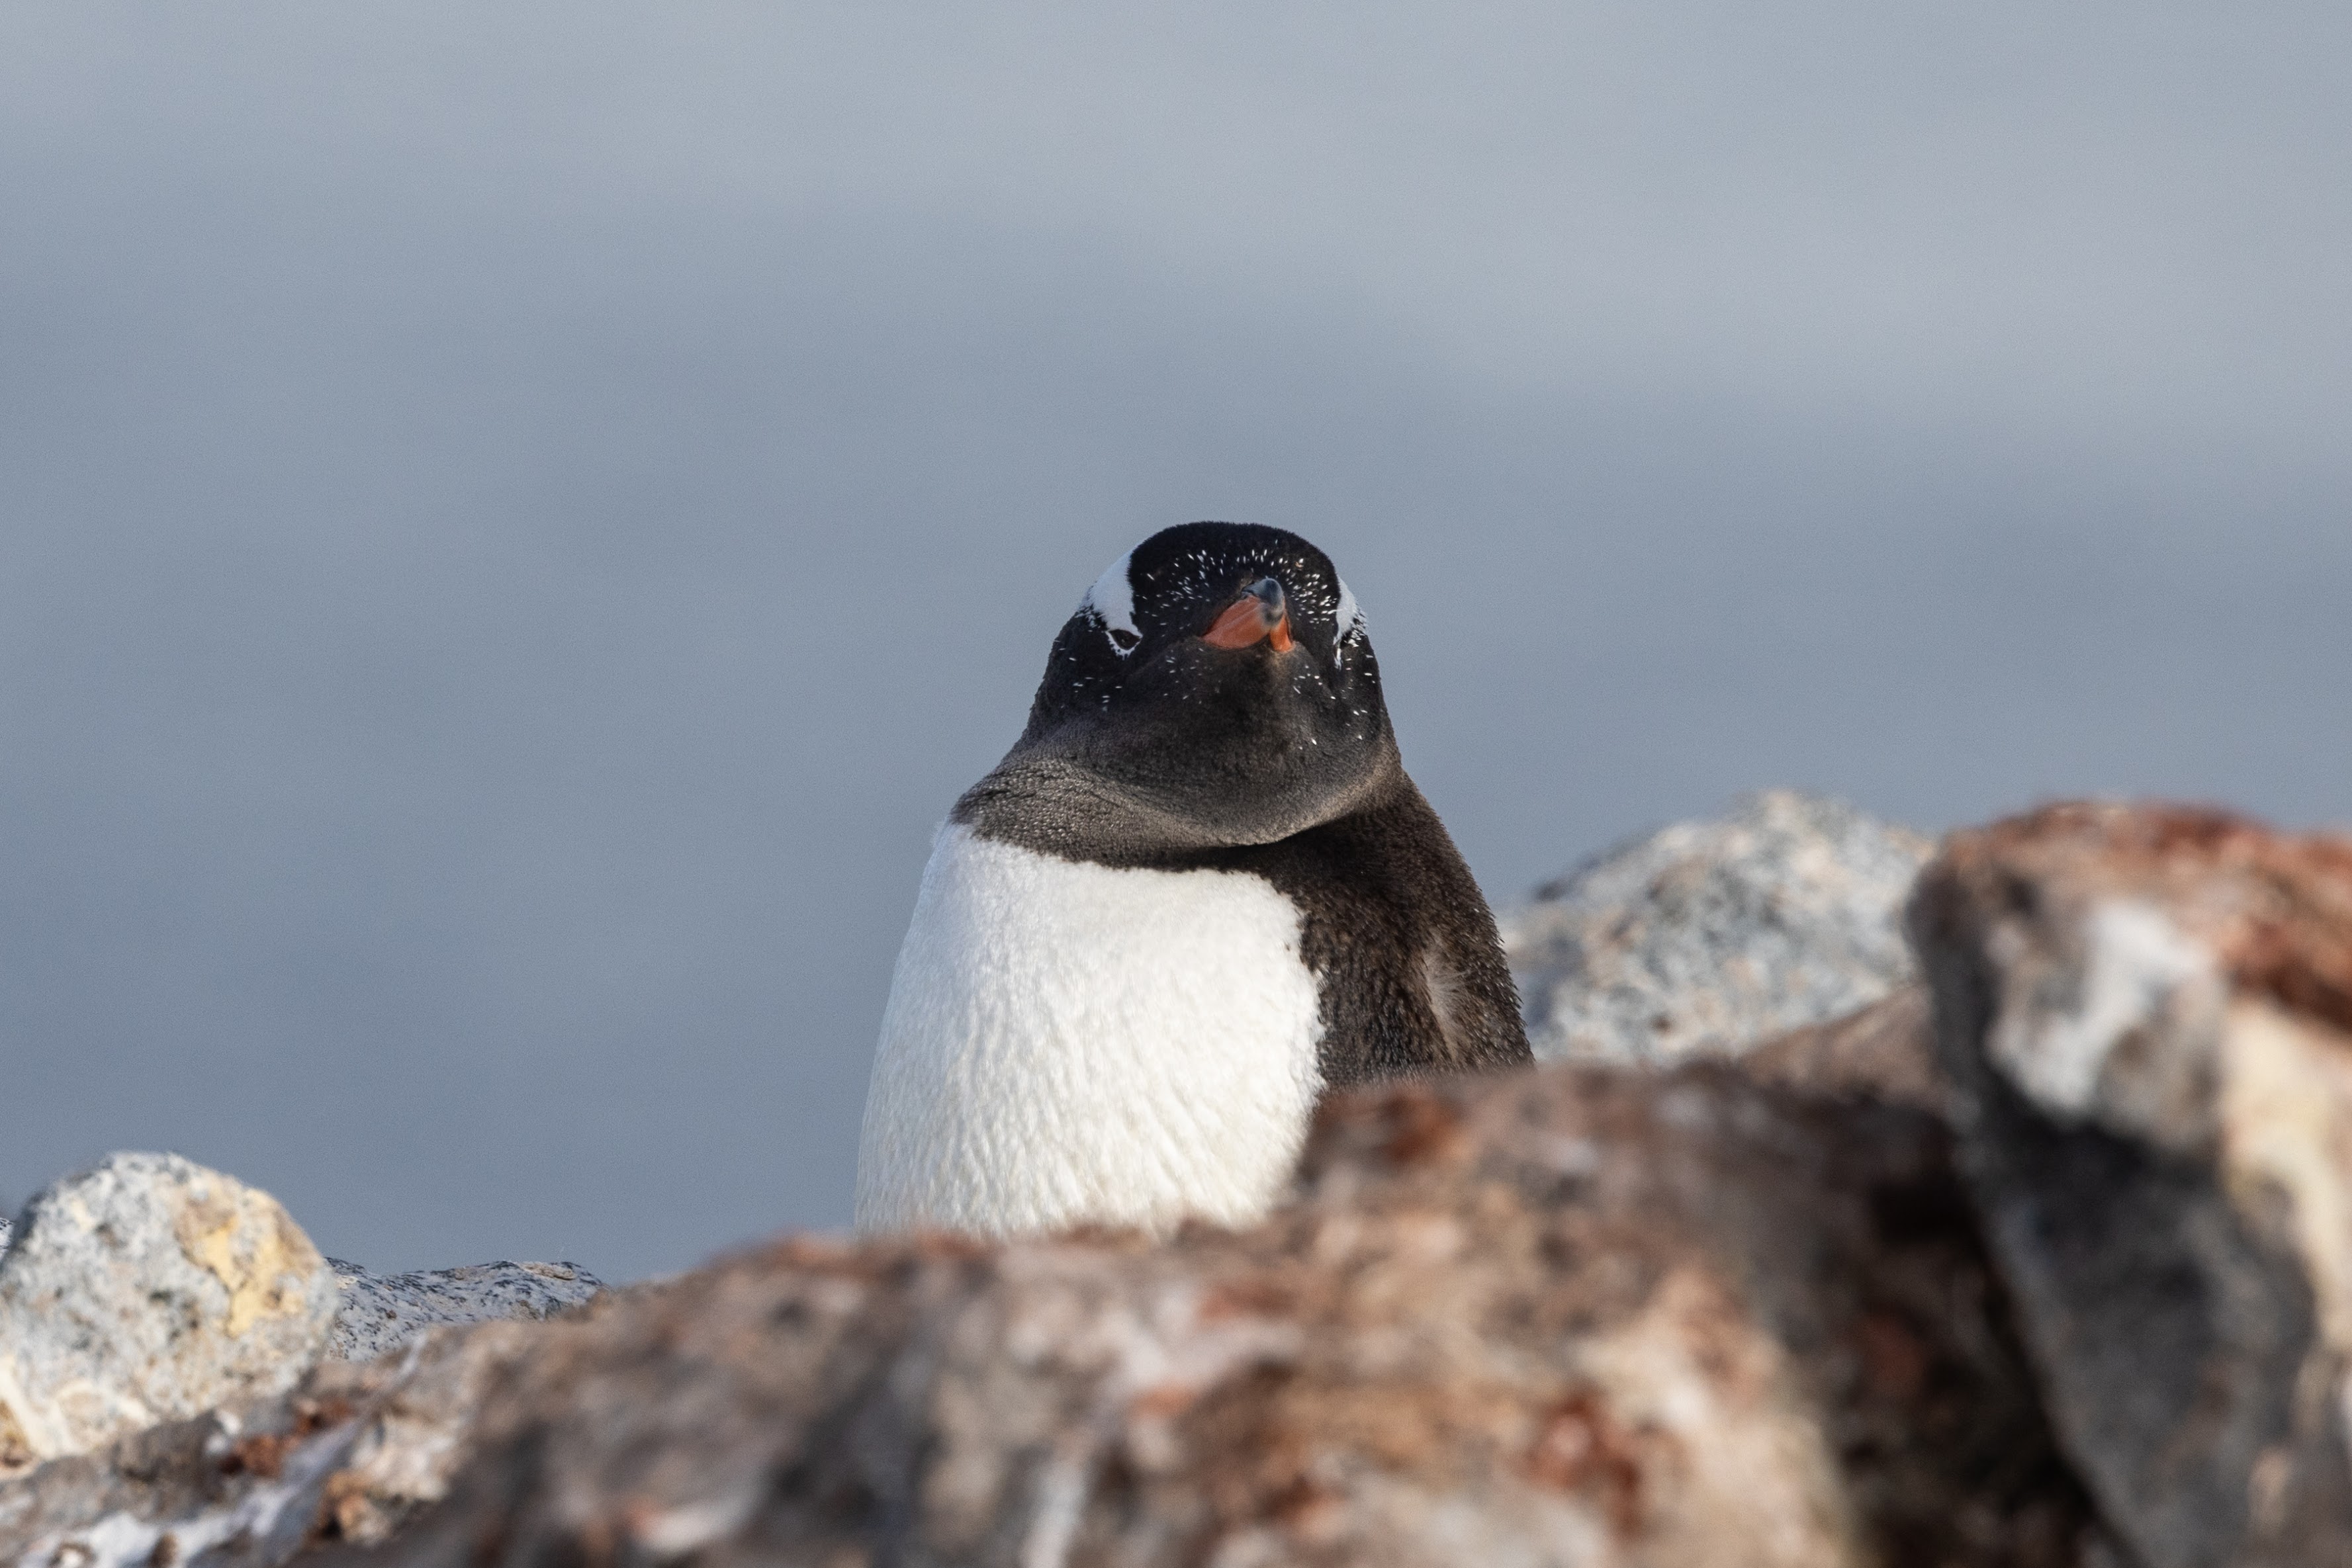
[[2148, 1016], [1705, 937], [1579, 1317], [381, 1312], [149, 1289]]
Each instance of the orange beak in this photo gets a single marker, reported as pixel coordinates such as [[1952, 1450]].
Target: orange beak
[[1259, 613]]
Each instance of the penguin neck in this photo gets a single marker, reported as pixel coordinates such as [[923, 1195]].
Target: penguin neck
[[1048, 803]]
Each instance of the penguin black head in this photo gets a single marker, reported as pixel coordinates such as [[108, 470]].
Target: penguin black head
[[1215, 687]]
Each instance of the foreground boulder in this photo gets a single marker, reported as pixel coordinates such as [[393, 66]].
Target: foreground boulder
[[1705, 937], [1579, 1316], [1574, 1317], [145, 1289], [2148, 1016]]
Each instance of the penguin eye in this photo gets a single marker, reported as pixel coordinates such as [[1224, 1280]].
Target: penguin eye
[[1123, 640]]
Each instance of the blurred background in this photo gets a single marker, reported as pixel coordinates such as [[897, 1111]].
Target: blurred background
[[517, 519]]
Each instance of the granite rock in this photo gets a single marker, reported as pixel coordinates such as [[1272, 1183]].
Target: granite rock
[[2146, 1016], [1705, 938], [149, 1289], [379, 1313]]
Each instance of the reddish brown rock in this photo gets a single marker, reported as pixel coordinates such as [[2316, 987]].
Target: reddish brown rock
[[1578, 1317], [2148, 1015]]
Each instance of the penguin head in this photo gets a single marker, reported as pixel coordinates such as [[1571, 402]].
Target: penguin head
[[1219, 678]]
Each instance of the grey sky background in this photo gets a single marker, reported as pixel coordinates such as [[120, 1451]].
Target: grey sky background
[[516, 520]]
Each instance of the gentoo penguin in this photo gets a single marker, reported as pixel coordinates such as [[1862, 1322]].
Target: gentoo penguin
[[1198, 893]]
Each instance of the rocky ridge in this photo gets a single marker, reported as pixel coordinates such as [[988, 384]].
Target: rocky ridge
[[379, 1313], [2042, 1261]]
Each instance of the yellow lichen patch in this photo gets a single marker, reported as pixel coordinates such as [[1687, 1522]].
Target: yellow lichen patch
[[248, 1243], [32, 1427], [17, 1451]]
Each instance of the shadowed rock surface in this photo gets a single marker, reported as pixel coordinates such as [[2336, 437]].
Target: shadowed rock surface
[[2148, 1013], [149, 1289], [381, 1312], [1886, 1052], [1708, 936]]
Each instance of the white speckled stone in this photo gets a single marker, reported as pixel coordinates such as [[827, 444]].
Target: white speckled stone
[[383, 1312], [149, 1289], [1705, 937]]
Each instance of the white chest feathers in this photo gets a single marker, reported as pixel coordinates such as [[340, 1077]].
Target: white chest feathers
[[1066, 1043]]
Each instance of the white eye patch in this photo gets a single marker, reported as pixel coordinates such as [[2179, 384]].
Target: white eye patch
[[1112, 599], [1350, 618]]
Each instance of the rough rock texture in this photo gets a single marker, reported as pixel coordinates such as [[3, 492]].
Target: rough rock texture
[[1886, 1052], [2148, 1014], [382, 1312], [355, 1450], [150, 1289], [1706, 936], [1579, 1317]]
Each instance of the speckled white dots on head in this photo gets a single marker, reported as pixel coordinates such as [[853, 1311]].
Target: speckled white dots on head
[[1112, 599]]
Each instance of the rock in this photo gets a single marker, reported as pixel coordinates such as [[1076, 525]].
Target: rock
[[1582, 1316], [1585, 1317], [1884, 1052], [382, 1312], [358, 1449], [2148, 1016], [1706, 936], [146, 1290]]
